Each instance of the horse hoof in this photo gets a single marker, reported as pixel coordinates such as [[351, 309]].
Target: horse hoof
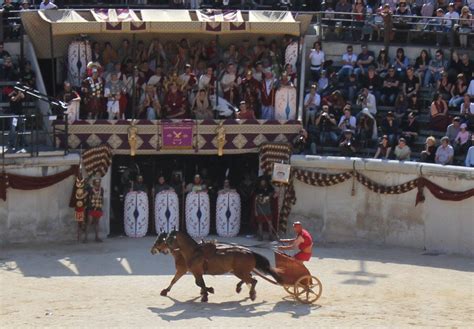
[[164, 292], [253, 296], [238, 290], [204, 299], [210, 290]]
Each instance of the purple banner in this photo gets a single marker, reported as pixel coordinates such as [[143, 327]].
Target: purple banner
[[177, 135]]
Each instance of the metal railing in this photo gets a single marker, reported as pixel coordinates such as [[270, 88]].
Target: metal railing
[[26, 134]]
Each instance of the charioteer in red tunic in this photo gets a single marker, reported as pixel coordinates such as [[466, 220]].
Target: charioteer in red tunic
[[303, 242]]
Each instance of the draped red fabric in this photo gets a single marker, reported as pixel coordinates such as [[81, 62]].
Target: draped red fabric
[[445, 194], [21, 182]]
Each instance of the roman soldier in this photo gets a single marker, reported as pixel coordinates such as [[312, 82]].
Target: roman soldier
[[93, 91], [230, 84], [197, 185], [139, 185], [175, 103], [263, 211], [94, 207], [161, 185], [250, 92], [267, 96]]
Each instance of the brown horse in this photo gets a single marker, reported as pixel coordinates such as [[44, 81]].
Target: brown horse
[[208, 259], [161, 247]]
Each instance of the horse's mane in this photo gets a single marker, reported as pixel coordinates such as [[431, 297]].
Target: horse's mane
[[187, 236]]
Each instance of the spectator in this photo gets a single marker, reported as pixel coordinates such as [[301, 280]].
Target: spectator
[[400, 63], [414, 104], [336, 101], [453, 129], [383, 63], [113, 92], [347, 121], [7, 70], [390, 127], [317, 58], [451, 18], [17, 123], [326, 126], [387, 16], [462, 140], [312, 101], [3, 52], [391, 87], [150, 108], [470, 154], [28, 77], [347, 144], [323, 83], [350, 87], [470, 89], [444, 86], [439, 113], [359, 11], [384, 149], [428, 154], [467, 111], [175, 103], [372, 82], [245, 113], [466, 67], [25, 5], [109, 56], [202, 110], [367, 100], [366, 131], [349, 59], [402, 150], [46, 4], [437, 65], [401, 107], [364, 60], [465, 26], [402, 23], [411, 84], [410, 129], [421, 64], [444, 153], [458, 90], [454, 65], [267, 92]]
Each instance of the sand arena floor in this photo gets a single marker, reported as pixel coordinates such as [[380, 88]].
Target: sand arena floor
[[117, 284]]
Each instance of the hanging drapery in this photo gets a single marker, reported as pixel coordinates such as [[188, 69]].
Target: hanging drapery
[[21, 182], [97, 160], [274, 152]]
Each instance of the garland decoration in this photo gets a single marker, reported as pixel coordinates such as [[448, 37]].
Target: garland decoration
[[28, 183], [274, 152], [382, 189]]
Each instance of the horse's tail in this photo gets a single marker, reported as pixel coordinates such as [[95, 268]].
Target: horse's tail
[[263, 265]]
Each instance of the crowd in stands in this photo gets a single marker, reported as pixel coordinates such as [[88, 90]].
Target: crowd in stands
[[373, 101], [185, 79]]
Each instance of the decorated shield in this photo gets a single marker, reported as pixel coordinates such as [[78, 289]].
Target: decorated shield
[[285, 103], [228, 214], [166, 212], [197, 214], [136, 214]]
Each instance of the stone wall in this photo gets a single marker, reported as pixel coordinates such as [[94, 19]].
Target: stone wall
[[333, 214], [44, 215]]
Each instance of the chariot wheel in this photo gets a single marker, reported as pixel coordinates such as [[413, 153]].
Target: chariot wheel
[[289, 289], [308, 289]]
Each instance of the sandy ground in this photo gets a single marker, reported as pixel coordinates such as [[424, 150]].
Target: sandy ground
[[117, 284]]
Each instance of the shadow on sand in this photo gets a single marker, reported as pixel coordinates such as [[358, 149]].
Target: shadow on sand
[[192, 309]]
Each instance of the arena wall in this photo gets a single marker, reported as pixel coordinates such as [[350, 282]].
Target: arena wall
[[44, 215], [333, 214]]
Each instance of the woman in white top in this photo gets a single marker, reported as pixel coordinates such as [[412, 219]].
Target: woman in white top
[[316, 56]]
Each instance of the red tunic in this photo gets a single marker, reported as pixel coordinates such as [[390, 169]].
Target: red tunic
[[175, 105], [307, 242]]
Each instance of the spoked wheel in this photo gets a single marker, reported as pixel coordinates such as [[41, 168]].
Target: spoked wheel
[[308, 289], [289, 289]]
